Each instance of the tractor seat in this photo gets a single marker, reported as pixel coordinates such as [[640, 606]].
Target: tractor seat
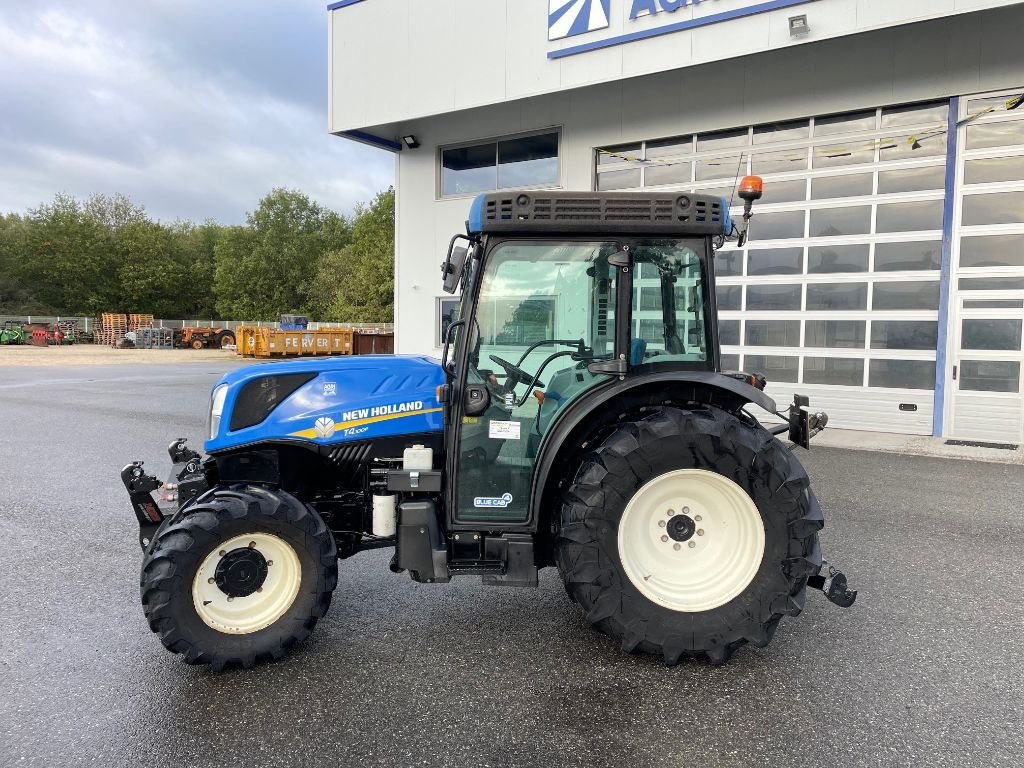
[[637, 350]]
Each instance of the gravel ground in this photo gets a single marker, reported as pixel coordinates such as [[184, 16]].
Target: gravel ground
[[926, 669], [78, 355]]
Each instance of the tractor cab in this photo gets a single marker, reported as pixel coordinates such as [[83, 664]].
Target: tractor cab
[[547, 319]]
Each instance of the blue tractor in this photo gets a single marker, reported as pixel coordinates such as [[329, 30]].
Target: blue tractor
[[579, 418]]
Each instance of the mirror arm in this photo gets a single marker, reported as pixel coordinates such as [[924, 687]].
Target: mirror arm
[[447, 343]]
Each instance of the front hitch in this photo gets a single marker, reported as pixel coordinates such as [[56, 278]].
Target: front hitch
[[186, 483], [140, 487]]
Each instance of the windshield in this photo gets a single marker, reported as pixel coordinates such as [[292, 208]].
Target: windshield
[[538, 298]]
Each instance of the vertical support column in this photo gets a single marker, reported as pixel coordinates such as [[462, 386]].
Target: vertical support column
[[945, 275]]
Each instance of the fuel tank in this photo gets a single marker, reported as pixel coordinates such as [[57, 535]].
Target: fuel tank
[[344, 398]]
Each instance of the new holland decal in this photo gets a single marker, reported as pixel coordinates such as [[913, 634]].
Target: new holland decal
[[355, 422]]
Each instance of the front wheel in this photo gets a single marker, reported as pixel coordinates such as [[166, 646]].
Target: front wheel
[[244, 575], [689, 533]]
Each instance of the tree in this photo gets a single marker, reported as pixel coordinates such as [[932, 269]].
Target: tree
[[357, 282], [151, 277], [15, 297], [113, 212], [233, 274], [195, 251], [68, 259], [269, 267]]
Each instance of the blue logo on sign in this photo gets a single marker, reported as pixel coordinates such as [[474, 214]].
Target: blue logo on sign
[[489, 501], [576, 17]]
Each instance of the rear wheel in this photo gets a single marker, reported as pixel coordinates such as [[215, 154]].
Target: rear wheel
[[689, 533], [243, 576]]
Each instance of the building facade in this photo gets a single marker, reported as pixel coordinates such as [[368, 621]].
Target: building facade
[[885, 274]]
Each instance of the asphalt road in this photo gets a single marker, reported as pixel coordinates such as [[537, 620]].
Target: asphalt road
[[926, 669]]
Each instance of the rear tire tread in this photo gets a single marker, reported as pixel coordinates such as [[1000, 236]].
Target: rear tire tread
[[704, 437]]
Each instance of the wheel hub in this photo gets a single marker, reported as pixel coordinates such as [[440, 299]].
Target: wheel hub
[[681, 528], [691, 540], [247, 583], [241, 572]]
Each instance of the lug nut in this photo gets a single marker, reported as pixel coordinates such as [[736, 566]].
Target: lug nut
[[686, 510], [671, 512], [222, 553], [675, 547], [693, 544], [698, 518], [664, 538], [211, 580], [661, 523], [252, 545], [270, 562], [259, 589], [230, 598], [700, 531]]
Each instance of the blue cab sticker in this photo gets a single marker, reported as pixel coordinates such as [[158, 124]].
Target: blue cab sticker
[[489, 501]]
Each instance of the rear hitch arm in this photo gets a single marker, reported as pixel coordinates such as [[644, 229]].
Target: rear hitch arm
[[800, 425], [832, 582]]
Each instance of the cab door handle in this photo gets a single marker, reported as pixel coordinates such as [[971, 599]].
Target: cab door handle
[[954, 372]]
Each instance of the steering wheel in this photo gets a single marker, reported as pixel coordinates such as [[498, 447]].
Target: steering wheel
[[515, 374]]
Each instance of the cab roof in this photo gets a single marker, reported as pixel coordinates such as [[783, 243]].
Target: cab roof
[[679, 214]]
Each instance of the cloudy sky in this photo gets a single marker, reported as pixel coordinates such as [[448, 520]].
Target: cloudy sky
[[193, 109]]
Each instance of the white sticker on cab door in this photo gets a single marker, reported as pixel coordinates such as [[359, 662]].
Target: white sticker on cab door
[[503, 430]]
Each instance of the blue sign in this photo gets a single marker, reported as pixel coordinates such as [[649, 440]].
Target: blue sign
[[567, 18]]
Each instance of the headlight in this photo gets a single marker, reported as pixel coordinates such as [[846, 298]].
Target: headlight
[[217, 408]]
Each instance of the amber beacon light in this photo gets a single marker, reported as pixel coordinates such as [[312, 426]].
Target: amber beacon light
[[751, 188]]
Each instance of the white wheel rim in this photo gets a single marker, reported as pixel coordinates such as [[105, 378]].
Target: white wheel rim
[[708, 569], [244, 615]]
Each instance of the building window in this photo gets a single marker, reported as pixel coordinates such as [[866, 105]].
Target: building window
[[522, 161], [447, 313]]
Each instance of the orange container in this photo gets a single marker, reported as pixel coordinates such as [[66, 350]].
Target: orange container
[[267, 342]]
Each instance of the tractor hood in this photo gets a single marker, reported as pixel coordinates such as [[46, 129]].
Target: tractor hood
[[327, 401]]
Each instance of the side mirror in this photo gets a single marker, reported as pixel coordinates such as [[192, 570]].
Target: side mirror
[[453, 267]]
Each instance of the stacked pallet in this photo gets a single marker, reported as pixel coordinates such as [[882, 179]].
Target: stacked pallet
[[110, 329], [139, 321]]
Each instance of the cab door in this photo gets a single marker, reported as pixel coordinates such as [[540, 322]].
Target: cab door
[[543, 313]]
